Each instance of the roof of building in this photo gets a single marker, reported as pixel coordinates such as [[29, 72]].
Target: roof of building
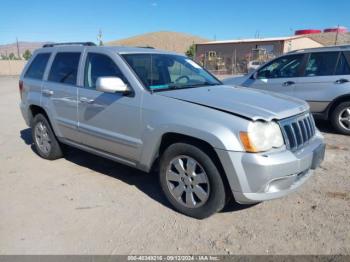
[[268, 39]]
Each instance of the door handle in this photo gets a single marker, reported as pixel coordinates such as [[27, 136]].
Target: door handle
[[48, 92], [86, 100], [342, 81], [288, 83]]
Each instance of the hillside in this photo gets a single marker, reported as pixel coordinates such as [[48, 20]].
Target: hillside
[[171, 41], [328, 39], [23, 46]]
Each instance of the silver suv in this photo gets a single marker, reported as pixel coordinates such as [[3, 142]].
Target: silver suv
[[156, 110], [321, 76]]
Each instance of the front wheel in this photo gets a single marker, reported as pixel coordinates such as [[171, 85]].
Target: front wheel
[[191, 181], [341, 118]]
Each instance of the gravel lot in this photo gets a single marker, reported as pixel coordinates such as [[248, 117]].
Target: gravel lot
[[84, 204]]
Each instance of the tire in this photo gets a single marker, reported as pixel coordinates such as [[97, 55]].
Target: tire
[[45, 141], [175, 176], [341, 111]]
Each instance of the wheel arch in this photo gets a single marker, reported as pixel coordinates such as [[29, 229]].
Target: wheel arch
[[172, 138], [335, 103], [36, 109]]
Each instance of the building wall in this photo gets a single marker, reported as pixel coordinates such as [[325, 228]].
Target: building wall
[[300, 43], [11, 67], [234, 56]]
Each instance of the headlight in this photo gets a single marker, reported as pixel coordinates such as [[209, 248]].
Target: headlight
[[262, 136]]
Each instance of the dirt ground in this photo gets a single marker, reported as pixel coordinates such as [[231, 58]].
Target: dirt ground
[[83, 204]]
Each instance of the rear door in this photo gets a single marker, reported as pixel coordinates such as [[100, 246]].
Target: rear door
[[326, 76], [280, 75], [33, 77], [59, 94]]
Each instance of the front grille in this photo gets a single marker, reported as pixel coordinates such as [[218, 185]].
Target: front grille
[[298, 130]]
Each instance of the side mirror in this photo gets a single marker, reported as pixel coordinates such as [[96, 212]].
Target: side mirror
[[111, 85]]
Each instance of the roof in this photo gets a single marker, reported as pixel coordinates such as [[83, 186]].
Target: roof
[[117, 49], [268, 39], [322, 49]]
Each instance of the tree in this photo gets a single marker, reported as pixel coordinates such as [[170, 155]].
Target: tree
[[12, 56], [27, 54], [191, 51]]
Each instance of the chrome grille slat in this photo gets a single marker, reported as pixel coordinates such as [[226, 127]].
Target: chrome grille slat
[[308, 128], [303, 130], [311, 125], [297, 131]]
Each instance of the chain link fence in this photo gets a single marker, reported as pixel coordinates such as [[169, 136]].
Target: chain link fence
[[235, 63]]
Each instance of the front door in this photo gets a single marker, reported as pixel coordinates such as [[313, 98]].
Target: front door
[[280, 75], [109, 122]]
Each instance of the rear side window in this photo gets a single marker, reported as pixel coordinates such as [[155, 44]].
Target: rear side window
[[36, 69], [284, 67], [64, 68], [347, 57], [321, 64], [343, 67]]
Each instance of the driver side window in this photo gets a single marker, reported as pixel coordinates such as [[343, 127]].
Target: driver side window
[[284, 67], [99, 65]]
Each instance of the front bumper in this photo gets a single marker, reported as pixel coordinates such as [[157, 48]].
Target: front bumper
[[264, 176]]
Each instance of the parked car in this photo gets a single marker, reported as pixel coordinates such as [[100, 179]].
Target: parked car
[[253, 65], [157, 110], [321, 76]]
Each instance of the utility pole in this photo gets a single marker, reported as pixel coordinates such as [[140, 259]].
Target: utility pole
[[336, 36], [99, 38], [17, 48]]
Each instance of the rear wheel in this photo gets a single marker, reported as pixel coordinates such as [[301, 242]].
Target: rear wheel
[[341, 118], [45, 142], [190, 181]]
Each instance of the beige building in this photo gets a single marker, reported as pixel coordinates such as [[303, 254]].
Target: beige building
[[233, 56]]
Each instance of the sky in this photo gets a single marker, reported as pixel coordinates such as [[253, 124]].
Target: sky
[[75, 20]]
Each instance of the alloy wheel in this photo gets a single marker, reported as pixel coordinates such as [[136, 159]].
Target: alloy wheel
[[344, 118], [187, 181], [42, 137]]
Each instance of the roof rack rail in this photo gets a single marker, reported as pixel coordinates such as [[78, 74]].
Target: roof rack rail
[[70, 43], [149, 47], [346, 46]]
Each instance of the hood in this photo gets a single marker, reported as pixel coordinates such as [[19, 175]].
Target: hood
[[252, 104], [236, 80]]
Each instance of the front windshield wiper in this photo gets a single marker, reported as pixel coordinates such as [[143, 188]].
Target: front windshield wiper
[[201, 84], [174, 86], [165, 87]]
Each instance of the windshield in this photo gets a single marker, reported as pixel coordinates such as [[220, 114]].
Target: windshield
[[164, 71]]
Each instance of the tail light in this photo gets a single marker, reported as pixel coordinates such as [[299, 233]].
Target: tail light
[[20, 85]]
